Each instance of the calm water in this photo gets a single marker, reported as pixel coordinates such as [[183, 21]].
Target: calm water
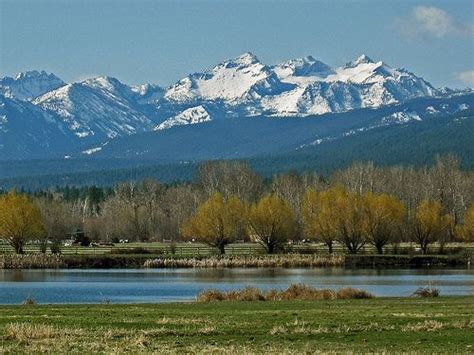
[[167, 285]]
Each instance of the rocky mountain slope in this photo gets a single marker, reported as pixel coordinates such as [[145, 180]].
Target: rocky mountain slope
[[86, 117]]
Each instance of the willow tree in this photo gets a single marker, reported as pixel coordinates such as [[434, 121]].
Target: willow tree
[[217, 222], [466, 230], [271, 223], [383, 216], [317, 213], [430, 224], [20, 220], [348, 218]]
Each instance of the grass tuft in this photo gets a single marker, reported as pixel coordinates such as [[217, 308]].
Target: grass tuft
[[293, 292], [29, 301], [23, 332], [426, 326], [426, 292]]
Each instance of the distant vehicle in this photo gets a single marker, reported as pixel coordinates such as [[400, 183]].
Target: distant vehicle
[[123, 241]]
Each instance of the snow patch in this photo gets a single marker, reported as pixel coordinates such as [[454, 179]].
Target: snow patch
[[192, 115], [92, 150], [401, 117]]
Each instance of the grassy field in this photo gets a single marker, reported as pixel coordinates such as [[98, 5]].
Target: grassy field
[[441, 325]]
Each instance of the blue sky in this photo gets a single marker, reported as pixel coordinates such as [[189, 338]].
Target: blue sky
[[163, 41]]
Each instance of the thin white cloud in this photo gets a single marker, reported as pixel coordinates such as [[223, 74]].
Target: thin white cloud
[[467, 77], [431, 21]]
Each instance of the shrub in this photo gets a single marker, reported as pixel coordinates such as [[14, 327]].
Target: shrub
[[426, 292], [29, 301], [293, 292], [352, 293], [55, 248], [210, 296]]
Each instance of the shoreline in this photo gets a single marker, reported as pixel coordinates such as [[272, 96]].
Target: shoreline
[[146, 261]]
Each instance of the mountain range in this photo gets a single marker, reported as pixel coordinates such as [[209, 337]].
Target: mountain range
[[241, 108]]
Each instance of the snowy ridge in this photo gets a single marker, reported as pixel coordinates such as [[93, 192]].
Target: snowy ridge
[[358, 84], [97, 109], [29, 85], [298, 87], [192, 115], [241, 79]]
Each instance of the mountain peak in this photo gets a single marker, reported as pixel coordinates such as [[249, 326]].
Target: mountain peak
[[246, 58], [30, 84], [107, 82], [363, 59], [34, 74], [305, 66]]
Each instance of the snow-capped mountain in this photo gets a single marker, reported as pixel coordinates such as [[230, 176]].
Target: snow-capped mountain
[[29, 85], [358, 84], [148, 93], [266, 136], [192, 115], [297, 87], [98, 109], [303, 68], [27, 131], [242, 79]]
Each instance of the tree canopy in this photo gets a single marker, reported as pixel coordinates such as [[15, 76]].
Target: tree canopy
[[20, 220]]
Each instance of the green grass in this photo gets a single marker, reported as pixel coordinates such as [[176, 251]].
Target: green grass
[[443, 325]]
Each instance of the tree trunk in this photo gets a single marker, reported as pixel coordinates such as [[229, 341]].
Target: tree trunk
[[379, 248], [329, 244], [424, 248], [221, 247], [270, 248], [18, 246], [351, 248]]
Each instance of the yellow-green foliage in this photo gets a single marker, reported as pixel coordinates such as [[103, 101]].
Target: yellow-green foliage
[[20, 220], [271, 222], [383, 216], [430, 223], [317, 213], [217, 221], [466, 230]]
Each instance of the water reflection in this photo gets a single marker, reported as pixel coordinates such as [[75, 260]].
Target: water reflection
[[164, 285]]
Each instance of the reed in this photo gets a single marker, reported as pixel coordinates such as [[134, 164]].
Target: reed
[[31, 261], [298, 292], [286, 261]]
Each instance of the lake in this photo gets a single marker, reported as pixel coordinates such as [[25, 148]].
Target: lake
[[171, 285]]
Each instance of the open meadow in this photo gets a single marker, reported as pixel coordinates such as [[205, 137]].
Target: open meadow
[[441, 325]]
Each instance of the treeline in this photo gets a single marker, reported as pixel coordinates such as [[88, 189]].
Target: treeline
[[228, 201]]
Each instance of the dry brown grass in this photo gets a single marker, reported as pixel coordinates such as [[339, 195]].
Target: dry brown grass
[[426, 326], [25, 332], [287, 261], [31, 261], [293, 292]]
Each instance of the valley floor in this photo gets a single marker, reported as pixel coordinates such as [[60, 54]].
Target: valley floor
[[441, 325]]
